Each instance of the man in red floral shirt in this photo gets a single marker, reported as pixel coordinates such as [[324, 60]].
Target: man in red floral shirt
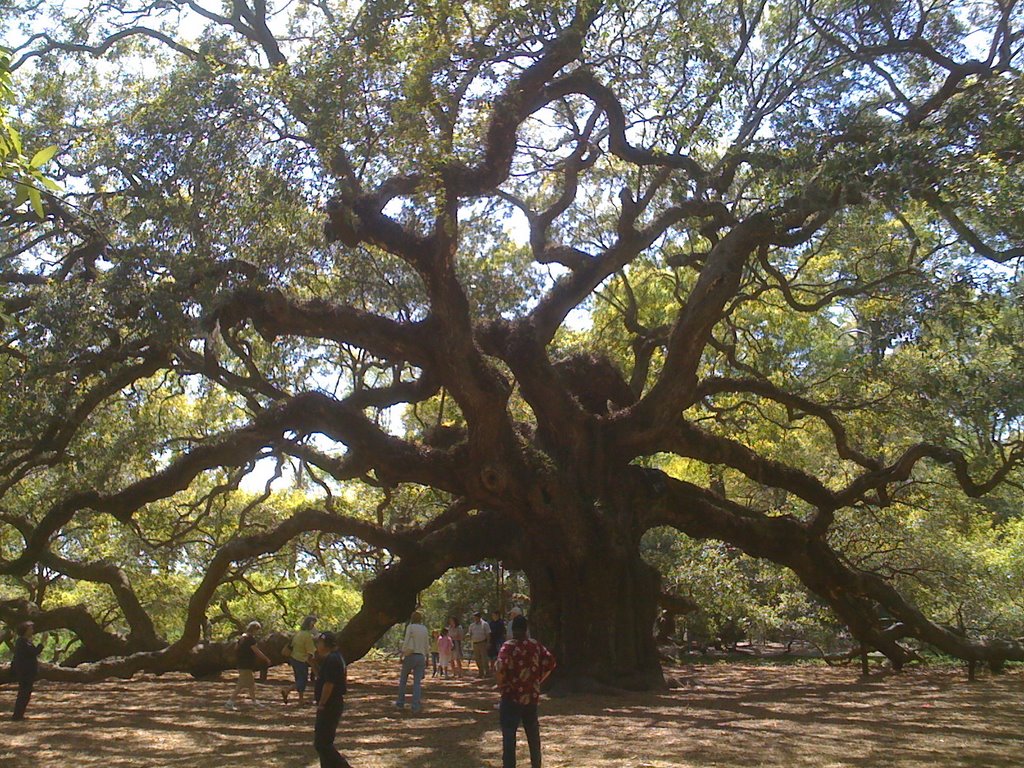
[[522, 666]]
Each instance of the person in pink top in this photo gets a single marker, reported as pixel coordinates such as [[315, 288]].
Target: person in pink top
[[522, 666], [445, 650], [456, 632]]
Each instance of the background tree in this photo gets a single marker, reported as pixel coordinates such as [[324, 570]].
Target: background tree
[[591, 269]]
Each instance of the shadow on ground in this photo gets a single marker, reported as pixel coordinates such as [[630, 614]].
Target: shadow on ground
[[719, 715]]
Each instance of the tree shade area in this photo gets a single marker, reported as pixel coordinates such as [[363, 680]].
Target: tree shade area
[[661, 305], [721, 715]]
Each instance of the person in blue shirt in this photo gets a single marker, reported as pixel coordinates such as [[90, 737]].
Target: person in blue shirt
[[331, 684], [25, 667]]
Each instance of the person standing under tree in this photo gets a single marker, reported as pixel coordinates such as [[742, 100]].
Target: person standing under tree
[[25, 666], [248, 653], [523, 665], [457, 634], [301, 654], [445, 650], [415, 648], [330, 689], [496, 639], [479, 632], [435, 654]]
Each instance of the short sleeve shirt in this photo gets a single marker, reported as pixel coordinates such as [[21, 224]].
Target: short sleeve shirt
[[524, 663], [479, 631], [246, 654], [25, 665], [332, 670], [303, 645]]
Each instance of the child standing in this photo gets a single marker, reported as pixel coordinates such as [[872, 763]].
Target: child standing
[[434, 654], [445, 649]]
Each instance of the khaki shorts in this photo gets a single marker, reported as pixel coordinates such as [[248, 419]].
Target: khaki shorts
[[246, 678]]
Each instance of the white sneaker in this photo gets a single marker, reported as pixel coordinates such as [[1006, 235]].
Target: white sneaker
[[231, 705]]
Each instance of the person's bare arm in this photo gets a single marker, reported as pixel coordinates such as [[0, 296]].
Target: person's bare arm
[[551, 667]]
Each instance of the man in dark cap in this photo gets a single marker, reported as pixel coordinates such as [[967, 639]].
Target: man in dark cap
[[331, 684]]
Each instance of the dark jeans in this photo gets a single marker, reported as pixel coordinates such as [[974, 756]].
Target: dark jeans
[[24, 694], [510, 714], [323, 736]]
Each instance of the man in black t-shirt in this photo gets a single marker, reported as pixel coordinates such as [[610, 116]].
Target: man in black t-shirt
[[497, 637], [24, 667], [331, 684]]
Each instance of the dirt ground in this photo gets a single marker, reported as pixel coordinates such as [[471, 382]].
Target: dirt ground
[[748, 715]]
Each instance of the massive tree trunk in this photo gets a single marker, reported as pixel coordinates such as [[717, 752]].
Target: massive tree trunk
[[594, 600], [598, 614]]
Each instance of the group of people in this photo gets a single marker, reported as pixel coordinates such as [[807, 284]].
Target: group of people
[[447, 650], [485, 637], [306, 651], [520, 665]]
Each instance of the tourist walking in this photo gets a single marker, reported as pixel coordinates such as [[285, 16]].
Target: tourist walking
[[415, 648], [25, 666], [523, 665], [331, 686], [457, 634], [496, 639], [301, 653], [248, 653], [479, 633]]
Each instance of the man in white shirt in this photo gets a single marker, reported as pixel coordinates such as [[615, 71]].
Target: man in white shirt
[[479, 634], [415, 648]]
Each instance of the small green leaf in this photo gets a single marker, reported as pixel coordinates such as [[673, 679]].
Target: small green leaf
[[43, 156], [50, 184], [37, 202], [15, 138]]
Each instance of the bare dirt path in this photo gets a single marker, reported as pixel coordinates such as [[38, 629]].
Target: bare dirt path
[[718, 715]]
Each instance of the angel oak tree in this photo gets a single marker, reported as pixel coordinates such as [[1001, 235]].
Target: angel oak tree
[[487, 175]]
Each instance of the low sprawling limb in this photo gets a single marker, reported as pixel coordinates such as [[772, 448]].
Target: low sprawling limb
[[390, 597], [854, 595]]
